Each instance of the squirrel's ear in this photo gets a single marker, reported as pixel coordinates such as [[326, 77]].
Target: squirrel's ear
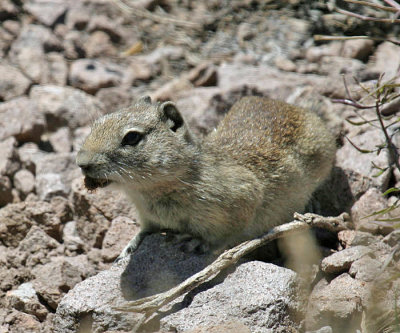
[[144, 100], [170, 113]]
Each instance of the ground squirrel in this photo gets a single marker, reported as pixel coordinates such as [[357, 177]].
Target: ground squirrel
[[258, 167]]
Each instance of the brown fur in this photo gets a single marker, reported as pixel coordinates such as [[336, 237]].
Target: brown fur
[[260, 166]]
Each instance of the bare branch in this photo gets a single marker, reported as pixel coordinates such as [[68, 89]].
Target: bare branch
[[364, 151], [367, 18], [373, 5], [149, 305], [142, 13], [330, 38], [393, 154], [394, 4], [352, 103]]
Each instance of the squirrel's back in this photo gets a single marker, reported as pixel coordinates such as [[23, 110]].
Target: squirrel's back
[[252, 173], [261, 133]]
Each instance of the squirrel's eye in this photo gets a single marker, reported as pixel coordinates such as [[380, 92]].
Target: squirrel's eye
[[131, 138]]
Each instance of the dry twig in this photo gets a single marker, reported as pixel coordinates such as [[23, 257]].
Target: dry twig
[[373, 5], [330, 38], [142, 13], [151, 304], [367, 18]]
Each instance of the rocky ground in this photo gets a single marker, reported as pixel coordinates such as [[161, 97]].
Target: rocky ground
[[65, 62]]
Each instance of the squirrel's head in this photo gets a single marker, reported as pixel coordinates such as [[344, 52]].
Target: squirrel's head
[[144, 144]]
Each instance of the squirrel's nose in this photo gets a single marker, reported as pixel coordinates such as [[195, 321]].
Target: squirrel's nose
[[83, 161], [85, 167]]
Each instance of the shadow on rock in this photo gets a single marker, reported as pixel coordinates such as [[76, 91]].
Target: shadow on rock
[[157, 266], [339, 192]]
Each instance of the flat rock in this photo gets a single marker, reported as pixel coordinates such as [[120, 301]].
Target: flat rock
[[36, 248], [54, 174], [66, 106], [266, 80], [365, 268], [21, 118], [54, 279], [355, 237], [92, 75], [16, 220], [46, 11], [337, 304], [155, 267], [341, 261], [262, 296], [372, 201], [25, 299]]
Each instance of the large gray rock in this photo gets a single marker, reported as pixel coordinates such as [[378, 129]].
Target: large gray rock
[[12, 82], [379, 61], [341, 261], [54, 279], [28, 51], [21, 118], [262, 296], [66, 106], [349, 158], [155, 267], [35, 249], [45, 11], [266, 80], [338, 304], [25, 299], [17, 219], [363, 210], [91, 75], [54, 174]]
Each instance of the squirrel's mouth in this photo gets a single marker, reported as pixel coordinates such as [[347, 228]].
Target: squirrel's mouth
[[93, 183]]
